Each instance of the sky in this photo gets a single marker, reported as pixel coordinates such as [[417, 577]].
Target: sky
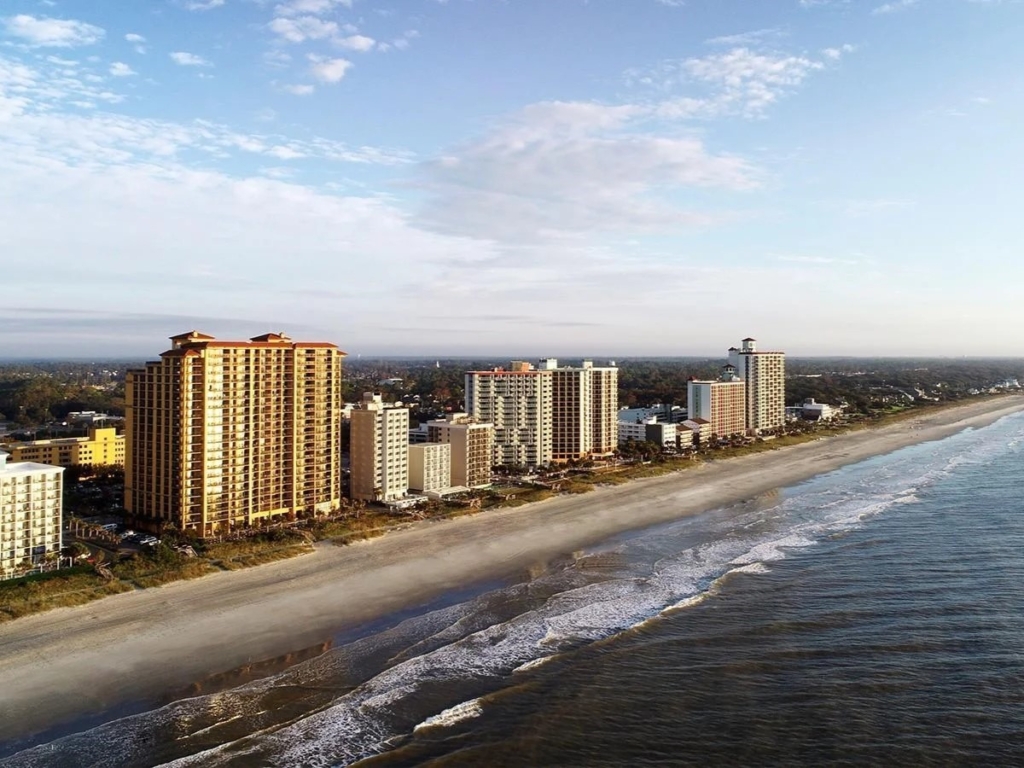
[[545, 177]]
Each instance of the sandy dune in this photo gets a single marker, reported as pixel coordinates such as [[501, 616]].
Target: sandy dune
[[68, 662]]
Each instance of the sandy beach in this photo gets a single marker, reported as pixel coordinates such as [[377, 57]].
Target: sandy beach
[[70, 662]]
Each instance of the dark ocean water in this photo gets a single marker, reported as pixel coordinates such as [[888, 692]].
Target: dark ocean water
[[871, 616]]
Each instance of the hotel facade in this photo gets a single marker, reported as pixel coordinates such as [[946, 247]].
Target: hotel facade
[[379, 450], [102, 447], [518, 403], [30, 515], [224, 434], [764, 375], [472, 448], [722, 403], [584, 410]]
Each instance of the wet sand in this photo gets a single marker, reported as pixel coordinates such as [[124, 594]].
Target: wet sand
[[70, 662]]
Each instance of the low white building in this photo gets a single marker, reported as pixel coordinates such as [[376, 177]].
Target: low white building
[[815, 411], [430, 466], [30, 515]]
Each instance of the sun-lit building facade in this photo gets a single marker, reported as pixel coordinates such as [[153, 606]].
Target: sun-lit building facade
[[764, 375], [30, 515], [722, 403], [102, 447], [223, 434]]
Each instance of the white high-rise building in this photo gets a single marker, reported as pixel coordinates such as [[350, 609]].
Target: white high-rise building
[[518, 403], [764, 374], [472, 449], [430, 466], [379, 451], [30, 515]]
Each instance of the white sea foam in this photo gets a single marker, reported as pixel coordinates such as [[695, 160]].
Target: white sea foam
[[532, 664], [467, 710]]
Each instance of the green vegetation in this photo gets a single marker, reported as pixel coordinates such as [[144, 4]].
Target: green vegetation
[[58, 589]]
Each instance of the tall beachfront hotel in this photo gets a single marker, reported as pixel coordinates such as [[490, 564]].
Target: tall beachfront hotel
[[518, 403], [224, 434], [584, 414], [379, 450], [764, 374], [549, 413]]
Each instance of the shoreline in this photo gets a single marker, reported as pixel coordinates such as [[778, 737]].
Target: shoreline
[[69, 663]]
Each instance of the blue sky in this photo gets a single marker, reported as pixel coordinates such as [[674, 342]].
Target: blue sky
[[565, 177]]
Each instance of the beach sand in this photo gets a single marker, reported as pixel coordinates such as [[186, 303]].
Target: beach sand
[[71, 662]]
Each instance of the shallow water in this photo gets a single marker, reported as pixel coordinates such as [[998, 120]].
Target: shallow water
[[874, 615]]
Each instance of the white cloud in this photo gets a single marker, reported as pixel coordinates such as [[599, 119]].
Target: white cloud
[[186, 59], [401, 42], [837, 53], [202, 5], [120, 69], [52, 33], [745, 38], [303, 28], [559, 169], [38, 97], [740, 82], [137, 41], [360, 43], [299, 90], [328, 70], [894, 7], [672, 3], [313, 7]]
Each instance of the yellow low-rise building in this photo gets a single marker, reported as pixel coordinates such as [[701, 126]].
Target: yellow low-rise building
[[102, 447]]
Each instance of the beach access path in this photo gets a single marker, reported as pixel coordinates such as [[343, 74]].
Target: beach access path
[[71, 662]]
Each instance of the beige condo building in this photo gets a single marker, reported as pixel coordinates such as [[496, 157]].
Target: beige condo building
[[30, 515], [472, 448], [224, 434], [585, 404], [518, 403], [379, 450], [102, 447], [430, 467], [764, 374], [721, 404]]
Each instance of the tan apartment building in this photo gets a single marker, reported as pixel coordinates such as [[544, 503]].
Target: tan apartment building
[[584, 408], [430, 467], [30, 515], [472, 448], [720, 403], [379, 450], [102, 447], [764, 374], [518, 403], [223, 434], [605, 401]]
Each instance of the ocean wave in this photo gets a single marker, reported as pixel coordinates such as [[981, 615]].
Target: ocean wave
[[467, 710]]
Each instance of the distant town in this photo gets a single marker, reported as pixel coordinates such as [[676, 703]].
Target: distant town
[[283, 442]]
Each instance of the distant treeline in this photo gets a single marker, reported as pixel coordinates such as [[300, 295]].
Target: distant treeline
[[35, 393]]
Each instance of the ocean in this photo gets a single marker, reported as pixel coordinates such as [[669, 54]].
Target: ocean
[[871, 616]]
